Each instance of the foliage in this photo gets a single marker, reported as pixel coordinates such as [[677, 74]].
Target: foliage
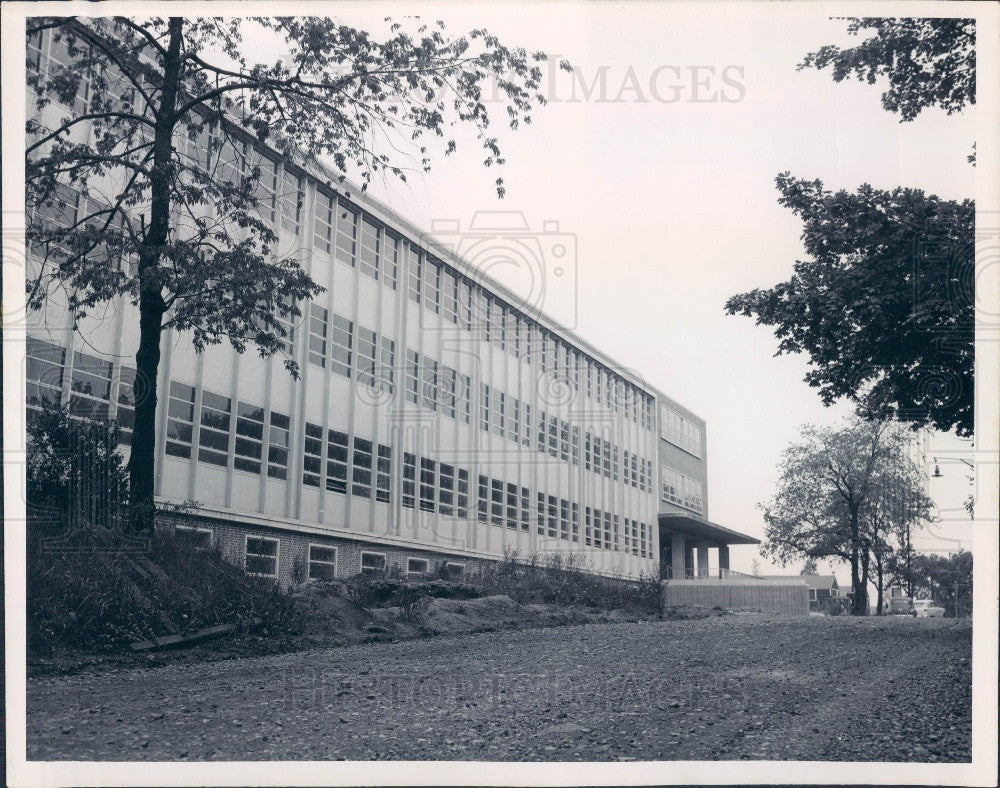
[[928, 62], [147, 182], [847, 493], [73, 465], [883, 306], [945, 579], [809, 567], [556, 579], [103, 595]]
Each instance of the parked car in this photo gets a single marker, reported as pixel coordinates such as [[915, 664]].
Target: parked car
[[925, 608], [901, 606]]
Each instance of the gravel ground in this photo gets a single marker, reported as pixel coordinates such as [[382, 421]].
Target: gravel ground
[[735, 687]]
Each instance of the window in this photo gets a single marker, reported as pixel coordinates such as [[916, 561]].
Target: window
[[45, 374], [499, 413], [412, 377], [318, 322], [180, 421], [429, 376], [372, 563], [681, 490], [463, 493], [366, 357], [409, 479], [454, 570], [607, 531], [525, 509], [389, 258], [368, 248], [575, 522], [261, 556], [387, 362], [526, 427], [362, 468], [312, 459], [540, 513], [341, 342], [553, 517], [336, 461], [484, 407], [125, 414], [588, 533], [680, 431], [606, 449], [512, 506], [598, 530], [564, 519], [446, 491], [615, 531], [427, 484], [553, 436], [465, 303], [464, 403], [510, 418], [213, 437], [449, 296], [483, 499], [190, 538], [586, 451], [383, 474], [322, 562], [575, 445], [563, 440], [90, 387], [614, 462], [541, 431], [413, 276], [417, 566], [496, 508], [323, 227], [290, 202], [431, 284], [34, 54], [347, 229], [284, 328], [249, 436], [448, 391]]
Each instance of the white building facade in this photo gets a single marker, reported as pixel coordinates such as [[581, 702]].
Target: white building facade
[[438, 420]]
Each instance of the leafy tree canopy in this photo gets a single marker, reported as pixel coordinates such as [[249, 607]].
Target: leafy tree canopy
[[927, 62], [884, 305]]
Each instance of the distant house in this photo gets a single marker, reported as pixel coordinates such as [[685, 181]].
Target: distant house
[[821, 588]]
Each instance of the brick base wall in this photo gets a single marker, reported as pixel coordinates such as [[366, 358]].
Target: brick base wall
[[293, 548], [759, 595]]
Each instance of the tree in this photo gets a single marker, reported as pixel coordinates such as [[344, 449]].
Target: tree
[[945, 579], [884, 304], [809, 567], [152, 184], [897, 506], [927, 62], [832, 496]]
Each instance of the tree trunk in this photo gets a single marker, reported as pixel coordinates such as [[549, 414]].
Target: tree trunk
[[881, 578], [862, 595], [151, 304], [859, 603]]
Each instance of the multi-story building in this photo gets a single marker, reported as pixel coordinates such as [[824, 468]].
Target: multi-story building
[[439, 419]]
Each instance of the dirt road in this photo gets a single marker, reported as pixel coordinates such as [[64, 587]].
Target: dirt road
[[734, 687]]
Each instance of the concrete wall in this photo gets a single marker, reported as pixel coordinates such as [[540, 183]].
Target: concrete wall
[[769, 596]]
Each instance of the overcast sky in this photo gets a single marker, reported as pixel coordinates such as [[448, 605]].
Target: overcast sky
[[672, 204]]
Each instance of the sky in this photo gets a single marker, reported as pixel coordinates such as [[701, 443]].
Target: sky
[[671, 208]]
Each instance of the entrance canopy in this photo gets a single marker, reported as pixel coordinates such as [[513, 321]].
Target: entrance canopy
[[703, 530]]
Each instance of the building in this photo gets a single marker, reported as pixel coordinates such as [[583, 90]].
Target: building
[[439, 420]]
